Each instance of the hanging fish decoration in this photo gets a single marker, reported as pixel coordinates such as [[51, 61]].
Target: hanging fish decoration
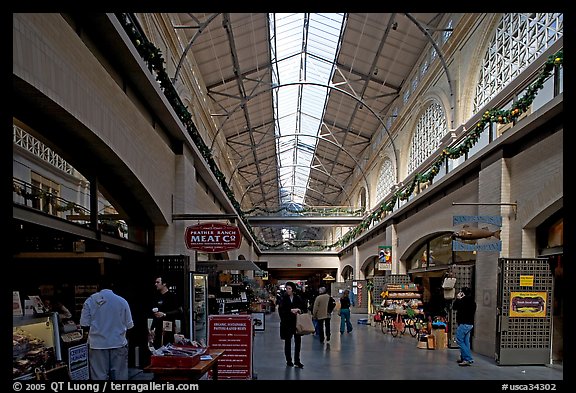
[[470, 233]]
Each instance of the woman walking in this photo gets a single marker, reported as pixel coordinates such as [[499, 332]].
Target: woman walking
[[345, 312], [291, 304]]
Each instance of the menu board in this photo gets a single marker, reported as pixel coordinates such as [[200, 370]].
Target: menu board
[[233, 333]]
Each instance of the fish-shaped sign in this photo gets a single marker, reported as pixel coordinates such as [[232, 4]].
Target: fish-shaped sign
[[470, 233]]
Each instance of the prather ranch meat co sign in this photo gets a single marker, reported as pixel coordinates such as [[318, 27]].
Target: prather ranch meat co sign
[[212, 237]]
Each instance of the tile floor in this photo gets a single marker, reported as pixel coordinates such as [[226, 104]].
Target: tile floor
[[368, 354]]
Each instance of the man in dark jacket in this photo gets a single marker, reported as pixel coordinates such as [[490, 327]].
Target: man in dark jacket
[[291, 304], [465, 307], [166, 308]]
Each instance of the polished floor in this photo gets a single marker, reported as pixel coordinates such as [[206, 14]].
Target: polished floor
[[368, 354]]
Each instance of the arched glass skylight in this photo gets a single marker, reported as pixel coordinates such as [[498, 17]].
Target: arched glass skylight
[[304, 48]]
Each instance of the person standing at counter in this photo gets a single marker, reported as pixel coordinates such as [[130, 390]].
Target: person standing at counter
[[166, 308], [291, 304], [107, 317]]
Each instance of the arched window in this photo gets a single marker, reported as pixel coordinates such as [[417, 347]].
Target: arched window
[[347, 273], [519, 40], [362, 199], [430, 129], [386, 179]]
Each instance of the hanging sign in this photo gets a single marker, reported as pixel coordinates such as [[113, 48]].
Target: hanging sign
[[479, 237], [384, 258], [212, 237]]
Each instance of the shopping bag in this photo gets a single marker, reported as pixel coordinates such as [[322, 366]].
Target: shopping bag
[[304, 324]]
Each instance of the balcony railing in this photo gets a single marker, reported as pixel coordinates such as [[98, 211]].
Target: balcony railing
[[26, 194]]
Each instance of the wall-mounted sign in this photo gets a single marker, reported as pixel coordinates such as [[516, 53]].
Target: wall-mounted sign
[[384, 258], [526, 281], [528, 304], [212, 237]]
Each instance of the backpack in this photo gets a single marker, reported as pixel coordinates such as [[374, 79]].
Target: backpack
[[331, 305]]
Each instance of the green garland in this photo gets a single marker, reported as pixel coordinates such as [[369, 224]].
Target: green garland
[[153, 57], [304, 209]]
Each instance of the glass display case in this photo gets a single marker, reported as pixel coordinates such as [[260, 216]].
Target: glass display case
[[35, 345], [199, 309]]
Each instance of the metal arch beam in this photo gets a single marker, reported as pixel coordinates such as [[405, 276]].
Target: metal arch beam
[[200, 28], [425, 31], [441, 56], [227, 25], [363, 88], [299, 166], [301, 83], [295, 165]]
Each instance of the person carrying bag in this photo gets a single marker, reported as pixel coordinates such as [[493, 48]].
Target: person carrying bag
[[304, 324], [291, 306]]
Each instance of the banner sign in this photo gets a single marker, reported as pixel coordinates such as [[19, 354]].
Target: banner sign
[[212, 237], [459, 246], [384, 257], [492, 220]]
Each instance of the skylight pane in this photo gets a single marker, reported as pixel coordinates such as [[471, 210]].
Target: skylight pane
[[301, 56]]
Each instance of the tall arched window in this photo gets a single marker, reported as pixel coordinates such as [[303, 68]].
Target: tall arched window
[[430, 129], [519, 40], [386, 179], [362, 199]]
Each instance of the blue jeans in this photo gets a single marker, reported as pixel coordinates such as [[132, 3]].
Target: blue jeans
[[345, 320], [463, 341]]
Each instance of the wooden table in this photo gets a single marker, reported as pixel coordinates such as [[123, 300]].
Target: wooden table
[[190, 373]]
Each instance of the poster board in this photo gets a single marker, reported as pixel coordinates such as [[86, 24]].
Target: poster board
[[528, 304], [233, 333], [259, 321], [78, 362]]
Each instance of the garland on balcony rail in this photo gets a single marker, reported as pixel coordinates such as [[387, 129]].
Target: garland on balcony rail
[[153, 57], [306, 209]]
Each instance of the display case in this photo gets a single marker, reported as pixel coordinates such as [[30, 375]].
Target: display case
[[35, 345], [401, 296], [199, 309]]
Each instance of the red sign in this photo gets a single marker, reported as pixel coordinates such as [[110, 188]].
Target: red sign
[[212, 237], [233, 333]]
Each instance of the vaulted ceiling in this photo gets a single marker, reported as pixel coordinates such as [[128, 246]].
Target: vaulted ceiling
[[301, 98]]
